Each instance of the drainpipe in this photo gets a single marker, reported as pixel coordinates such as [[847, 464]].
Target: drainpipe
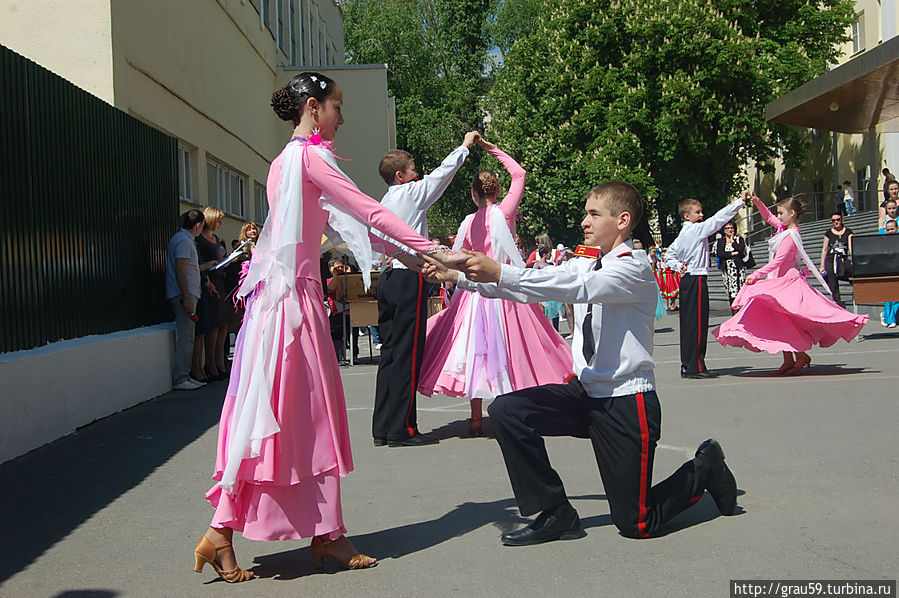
[[835, 158]]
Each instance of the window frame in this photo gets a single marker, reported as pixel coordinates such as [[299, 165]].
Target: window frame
[[185, 175], [226, 178]]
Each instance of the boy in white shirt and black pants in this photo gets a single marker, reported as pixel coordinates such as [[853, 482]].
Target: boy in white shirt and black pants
[[611, 400], [689, 254], [402, 298]]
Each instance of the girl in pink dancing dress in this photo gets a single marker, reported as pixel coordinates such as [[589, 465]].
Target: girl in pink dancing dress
[[283, 441], [481, 348], [783, 312]]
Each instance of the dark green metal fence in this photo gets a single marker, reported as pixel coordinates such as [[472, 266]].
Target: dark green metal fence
[[88, 202]]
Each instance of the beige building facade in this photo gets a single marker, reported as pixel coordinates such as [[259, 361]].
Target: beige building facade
[[203, 71], [837, 157]]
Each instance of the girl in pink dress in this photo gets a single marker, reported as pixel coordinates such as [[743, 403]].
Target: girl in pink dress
[[283, 440], [783, 312], [481, 348]]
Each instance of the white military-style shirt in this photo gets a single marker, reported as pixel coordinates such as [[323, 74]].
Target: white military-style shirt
[[624, 295], [411, 201], [692, 247]]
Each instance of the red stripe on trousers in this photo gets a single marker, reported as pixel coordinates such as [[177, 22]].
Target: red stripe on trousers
[[415, 355], [699, 325], [644, 466]]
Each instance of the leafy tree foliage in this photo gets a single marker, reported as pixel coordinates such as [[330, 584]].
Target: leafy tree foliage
[[668, 95], [435, 51]]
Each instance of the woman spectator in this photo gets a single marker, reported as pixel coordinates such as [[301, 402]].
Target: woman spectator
[[249, 232], [733, 260], [835, 251], [890, 308], [551, 309], [212, 251], [541, 239], [203, 327]]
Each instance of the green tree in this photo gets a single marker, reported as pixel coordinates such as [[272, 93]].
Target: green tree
[[668, 95], [435, 51]]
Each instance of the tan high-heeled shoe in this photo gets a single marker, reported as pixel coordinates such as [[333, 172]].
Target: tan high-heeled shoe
[[800, 363], [319, 550], [205, 553], [784, 368]]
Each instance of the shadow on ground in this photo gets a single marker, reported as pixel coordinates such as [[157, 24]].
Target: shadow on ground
[[459, 429], [87, 594], [879, 336], [826, 369], [64, 483], [401, 541], [397, 542]]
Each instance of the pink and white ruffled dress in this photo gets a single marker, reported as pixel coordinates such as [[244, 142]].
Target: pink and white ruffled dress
[[783, 312], [283, 441], [480, 347]]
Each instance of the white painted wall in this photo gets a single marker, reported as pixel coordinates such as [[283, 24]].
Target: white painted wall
[[48, 392]]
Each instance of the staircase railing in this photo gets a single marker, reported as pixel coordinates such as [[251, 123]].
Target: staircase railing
[[818, 206]]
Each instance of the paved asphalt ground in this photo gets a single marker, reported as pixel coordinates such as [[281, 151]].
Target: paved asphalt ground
[[115, 509]]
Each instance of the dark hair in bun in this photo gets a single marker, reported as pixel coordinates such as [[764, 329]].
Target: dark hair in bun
[[288, 102], [485, 183]]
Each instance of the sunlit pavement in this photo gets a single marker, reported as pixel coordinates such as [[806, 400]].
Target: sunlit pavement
[[115, 509]]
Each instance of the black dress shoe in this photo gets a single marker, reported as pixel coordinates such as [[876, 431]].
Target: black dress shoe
[[417, 440], [721, 483], [698, 375], [380, 441], [559, 523]]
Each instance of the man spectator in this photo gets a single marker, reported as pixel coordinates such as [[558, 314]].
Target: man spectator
[[838, 201], [182, 288]]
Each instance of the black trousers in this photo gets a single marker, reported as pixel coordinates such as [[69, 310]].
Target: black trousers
[[623, 430], [832, 282], [694, 322], [402, 317]]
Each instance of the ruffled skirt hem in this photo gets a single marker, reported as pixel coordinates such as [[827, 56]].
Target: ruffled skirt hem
[[786, 314], [268, 512]]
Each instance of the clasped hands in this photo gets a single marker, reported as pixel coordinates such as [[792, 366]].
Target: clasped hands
[[477, 268], [750, 198]]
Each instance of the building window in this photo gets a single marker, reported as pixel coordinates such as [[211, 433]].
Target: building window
[[283, 41], [227, 189], [301, 38], [266, 13], [185, 176], [861, 188], [858, 35], [292, 31], [260, 203]]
